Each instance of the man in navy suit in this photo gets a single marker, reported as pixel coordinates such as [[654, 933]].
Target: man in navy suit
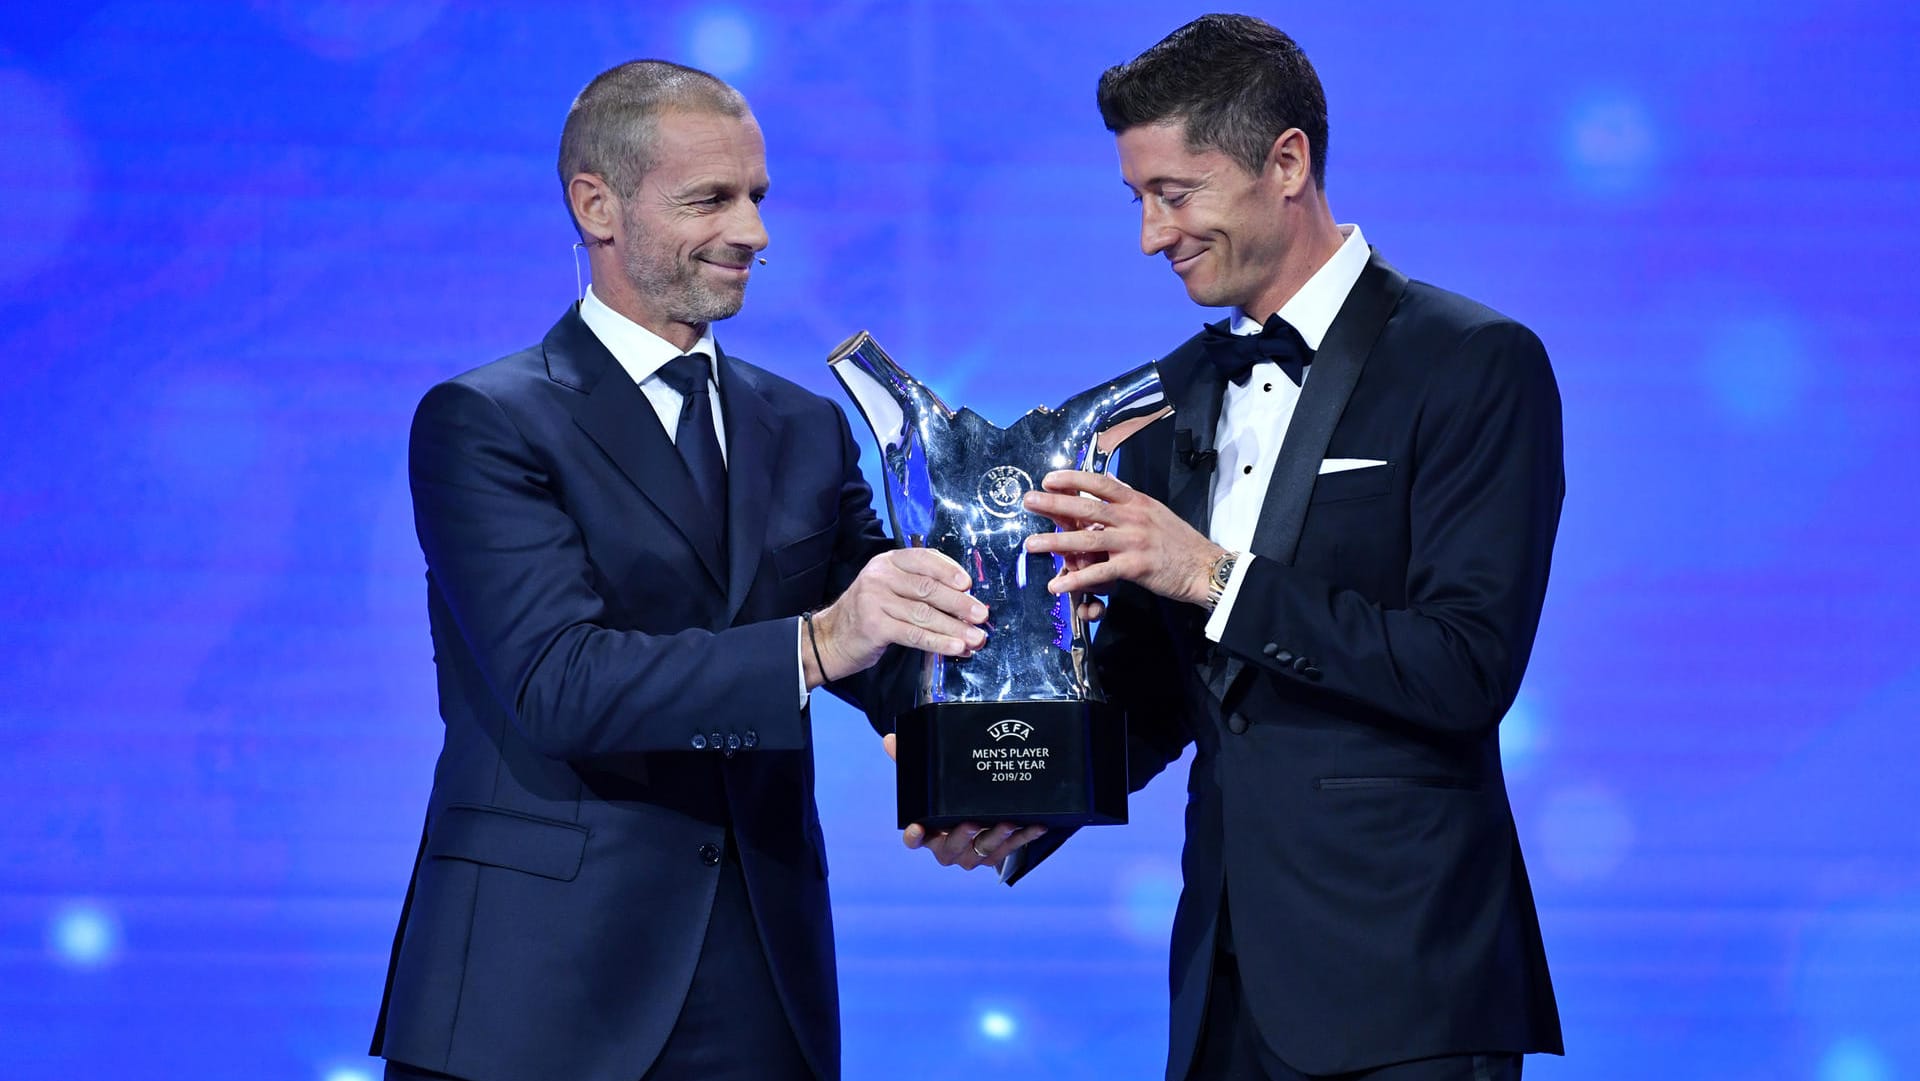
[[642, 555], [1325, 573]]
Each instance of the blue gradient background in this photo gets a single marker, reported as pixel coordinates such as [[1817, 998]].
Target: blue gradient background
[[239, 240]]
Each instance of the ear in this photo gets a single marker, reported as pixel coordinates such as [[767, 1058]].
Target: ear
[[596, 209], [1290, 162]]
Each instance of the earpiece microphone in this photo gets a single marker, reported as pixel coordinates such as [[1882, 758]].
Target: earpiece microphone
[[762, 261]]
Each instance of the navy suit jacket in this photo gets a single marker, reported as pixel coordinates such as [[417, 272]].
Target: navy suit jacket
[[1346, 791], [614, 703]]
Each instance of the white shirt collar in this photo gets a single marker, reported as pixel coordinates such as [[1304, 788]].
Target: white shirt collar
[[639, 350], [1311, 310]]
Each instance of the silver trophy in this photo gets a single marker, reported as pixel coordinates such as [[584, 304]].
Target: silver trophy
[[1018, 732]]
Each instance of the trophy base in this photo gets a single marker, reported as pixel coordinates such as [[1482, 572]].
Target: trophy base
[[1034, 763]]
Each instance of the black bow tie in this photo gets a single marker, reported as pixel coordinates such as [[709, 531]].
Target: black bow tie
[[1236, 354]]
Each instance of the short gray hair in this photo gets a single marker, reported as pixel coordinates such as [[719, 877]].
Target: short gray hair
[[611, 128]]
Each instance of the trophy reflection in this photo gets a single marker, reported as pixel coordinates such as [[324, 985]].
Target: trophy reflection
[[1018, 732]]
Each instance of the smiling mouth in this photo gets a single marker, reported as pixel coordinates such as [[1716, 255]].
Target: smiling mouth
[[1181, 263]]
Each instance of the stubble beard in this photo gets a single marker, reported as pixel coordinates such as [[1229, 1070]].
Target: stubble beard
[[674, 283]]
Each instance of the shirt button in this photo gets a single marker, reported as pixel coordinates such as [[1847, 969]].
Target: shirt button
[[1247, 470], [710, 854], [1267, 387], [699, 742]]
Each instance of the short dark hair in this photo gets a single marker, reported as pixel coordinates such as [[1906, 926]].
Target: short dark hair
[[610, 128], [1237, 83]]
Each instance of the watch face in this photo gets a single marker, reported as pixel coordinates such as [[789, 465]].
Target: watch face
[[1223, 570]]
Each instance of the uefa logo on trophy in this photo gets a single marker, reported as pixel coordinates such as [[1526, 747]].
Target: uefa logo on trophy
[[1019, 731]]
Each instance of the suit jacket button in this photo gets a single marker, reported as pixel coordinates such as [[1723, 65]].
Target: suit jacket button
[[710, 854], [1285, 656], [733, 742], [1311, 673], [1270, 648], [699, 742], [716, 741], [750, 740], [1236, 723], [1301, 664]]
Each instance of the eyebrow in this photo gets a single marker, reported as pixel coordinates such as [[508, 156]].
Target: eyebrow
[[1162, 181], [701, 188]]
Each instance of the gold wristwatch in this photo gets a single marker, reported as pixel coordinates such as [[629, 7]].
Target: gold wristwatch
[[1219, 576]]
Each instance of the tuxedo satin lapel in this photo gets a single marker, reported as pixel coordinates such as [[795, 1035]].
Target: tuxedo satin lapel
[[1336, 369], [618, 417], [750, 468], [1195, 390]]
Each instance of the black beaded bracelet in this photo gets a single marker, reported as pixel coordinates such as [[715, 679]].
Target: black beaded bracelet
[[807, 618]]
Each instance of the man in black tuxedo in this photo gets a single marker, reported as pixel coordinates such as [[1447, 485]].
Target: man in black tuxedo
[[1325, 571], [622, 874]]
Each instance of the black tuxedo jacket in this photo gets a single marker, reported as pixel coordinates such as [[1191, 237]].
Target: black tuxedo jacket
[[614, 701], [1346, 792]]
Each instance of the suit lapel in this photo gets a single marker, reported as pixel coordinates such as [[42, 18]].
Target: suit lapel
[[750, 468], [618, 417], [1336, 369], [1194, 389]]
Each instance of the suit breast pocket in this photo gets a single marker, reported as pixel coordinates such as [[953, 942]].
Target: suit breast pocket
[[1363, 483], [806, 554]]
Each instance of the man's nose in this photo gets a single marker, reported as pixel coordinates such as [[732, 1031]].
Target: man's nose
[[1156, 233], [748, 230]]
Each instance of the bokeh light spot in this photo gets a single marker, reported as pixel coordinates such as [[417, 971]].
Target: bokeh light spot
[[85, 935], [1522, 736], [1586, 833], [998, 1025], [1756, 369], [721, 42], [1610, 145], [353, 29], [1853, 1060]]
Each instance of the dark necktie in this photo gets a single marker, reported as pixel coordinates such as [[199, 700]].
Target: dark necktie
[[1236, 354], [698, 443]]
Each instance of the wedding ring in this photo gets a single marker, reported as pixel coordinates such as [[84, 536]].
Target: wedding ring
[[976, 847]]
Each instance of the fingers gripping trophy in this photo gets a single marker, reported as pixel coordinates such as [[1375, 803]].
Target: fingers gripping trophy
[[1018, 731]]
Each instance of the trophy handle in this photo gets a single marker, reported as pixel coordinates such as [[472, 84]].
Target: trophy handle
[[1113, 413], [1109, 439], [886, 394], [900, 410]]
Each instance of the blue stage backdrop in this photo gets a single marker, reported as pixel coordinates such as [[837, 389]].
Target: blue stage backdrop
[[239, 240]]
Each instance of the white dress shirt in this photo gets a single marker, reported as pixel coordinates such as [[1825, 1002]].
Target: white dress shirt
[[1254, 418], [642, 353]]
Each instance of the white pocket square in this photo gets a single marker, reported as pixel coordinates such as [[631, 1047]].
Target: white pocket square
[[1342, 465]]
